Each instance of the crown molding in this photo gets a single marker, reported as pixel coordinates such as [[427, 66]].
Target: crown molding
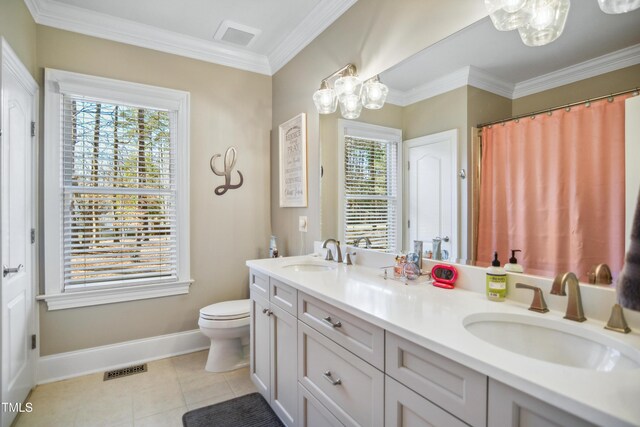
[[594, 67], [79, 20], [322, 15], [483, 80], [469, 75]]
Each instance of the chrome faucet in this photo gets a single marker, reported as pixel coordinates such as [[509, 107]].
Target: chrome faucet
[[574, 305], [367, 242], [329, 253]]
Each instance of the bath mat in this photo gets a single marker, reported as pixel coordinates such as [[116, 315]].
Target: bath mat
[[245, 411]]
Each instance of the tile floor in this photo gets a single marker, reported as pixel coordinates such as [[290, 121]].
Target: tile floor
[[155, 398]]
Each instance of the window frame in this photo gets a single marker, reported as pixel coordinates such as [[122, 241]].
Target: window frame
[[177, 103], [374, 132]]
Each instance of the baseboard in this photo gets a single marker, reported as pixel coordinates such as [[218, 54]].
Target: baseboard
[[97, 359]]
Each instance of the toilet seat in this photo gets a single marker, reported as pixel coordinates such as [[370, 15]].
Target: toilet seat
[[228, 310]]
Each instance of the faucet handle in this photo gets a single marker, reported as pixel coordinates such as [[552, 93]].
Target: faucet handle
[[538, 304], [617, 321]]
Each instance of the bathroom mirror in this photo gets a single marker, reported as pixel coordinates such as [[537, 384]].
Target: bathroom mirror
[[480, 75]]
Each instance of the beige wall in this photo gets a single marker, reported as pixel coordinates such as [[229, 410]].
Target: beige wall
[[374, 35], [615, 81], [19, 29], [389, 116], [228, 107]]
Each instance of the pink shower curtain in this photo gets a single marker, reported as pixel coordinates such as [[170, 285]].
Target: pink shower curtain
[[553, 186]]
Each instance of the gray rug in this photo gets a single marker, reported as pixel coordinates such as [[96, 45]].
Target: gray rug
[[246, 411]]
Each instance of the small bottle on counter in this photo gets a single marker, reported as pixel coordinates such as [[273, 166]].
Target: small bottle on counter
[[273, 247], [496, 280], [512, 266]]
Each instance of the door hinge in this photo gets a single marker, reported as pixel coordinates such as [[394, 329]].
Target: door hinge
[[33, 342], [408, 223], [33, 128], [33, 236]]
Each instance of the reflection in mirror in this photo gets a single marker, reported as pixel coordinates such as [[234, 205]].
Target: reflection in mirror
[[481, 75]]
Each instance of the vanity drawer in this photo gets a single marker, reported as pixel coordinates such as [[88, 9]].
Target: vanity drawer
[[350, 388], [259, 283], [312, 413], [359, 337], [450, 385], [406, 408], [284, 296]]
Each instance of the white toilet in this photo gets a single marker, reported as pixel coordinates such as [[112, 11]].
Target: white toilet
[[227, 325]]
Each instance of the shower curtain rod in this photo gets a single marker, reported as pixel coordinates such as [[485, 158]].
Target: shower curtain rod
[[560, 107]]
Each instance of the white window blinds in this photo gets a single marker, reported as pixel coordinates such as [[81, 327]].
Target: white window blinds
[[119, 194], [371, 191]]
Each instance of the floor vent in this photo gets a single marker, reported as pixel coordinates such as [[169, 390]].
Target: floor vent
[[123, 372]]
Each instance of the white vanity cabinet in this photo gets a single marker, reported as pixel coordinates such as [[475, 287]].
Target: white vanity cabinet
[[509, 407], [274, 345]]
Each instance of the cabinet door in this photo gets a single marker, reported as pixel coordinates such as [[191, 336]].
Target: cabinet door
[[260, 351], [509, 407], [284, 382], [405, 408], [311, 413]]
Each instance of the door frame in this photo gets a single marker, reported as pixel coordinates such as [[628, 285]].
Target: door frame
[[450, 136], [9, 59]]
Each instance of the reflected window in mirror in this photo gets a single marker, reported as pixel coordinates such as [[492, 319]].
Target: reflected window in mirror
[[370, 185]]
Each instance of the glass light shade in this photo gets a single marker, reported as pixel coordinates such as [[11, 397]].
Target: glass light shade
[[618, 6], [508, 15], [546, 23], [326, 100], [348, 85], [350, 106], [374, 94]]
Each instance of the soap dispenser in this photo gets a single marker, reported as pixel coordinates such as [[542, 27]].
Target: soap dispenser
[[512, 266], [496, 280]]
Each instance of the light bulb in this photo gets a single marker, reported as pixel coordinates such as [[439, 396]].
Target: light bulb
[[350, 106], [348, 85], [325, 99], [543, 16], [513, 6], [618, 6], [374, 93]]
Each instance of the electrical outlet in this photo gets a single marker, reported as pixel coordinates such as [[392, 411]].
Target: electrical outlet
[[302, 224]]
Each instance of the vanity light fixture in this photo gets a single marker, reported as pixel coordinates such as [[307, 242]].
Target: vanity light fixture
[[349, 91], [539, 22], [618, 6]]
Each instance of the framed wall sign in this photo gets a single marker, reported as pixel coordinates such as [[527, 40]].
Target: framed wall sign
[[293, 162]]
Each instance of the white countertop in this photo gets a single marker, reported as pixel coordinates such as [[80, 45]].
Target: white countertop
[[433, 317]]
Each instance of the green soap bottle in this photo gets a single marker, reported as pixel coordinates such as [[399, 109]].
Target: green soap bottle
[[496, 280]]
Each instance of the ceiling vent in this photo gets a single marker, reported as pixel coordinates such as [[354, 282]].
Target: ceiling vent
[[237, 34]]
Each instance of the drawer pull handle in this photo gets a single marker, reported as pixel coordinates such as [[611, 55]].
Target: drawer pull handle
[[333, 325], [267, 311], [327, 376]]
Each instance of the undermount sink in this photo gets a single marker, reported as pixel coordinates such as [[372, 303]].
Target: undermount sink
[[309, 267], [553, 341]]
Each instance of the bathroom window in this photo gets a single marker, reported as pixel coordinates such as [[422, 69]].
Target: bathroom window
[[116, 191], [370, 184]]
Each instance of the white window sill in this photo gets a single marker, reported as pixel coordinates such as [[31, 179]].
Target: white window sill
[[107, 296]]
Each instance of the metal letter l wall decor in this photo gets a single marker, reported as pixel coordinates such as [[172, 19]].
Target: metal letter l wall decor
[[230, 158]]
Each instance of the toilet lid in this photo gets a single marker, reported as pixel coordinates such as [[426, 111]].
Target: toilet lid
[[228, 310]]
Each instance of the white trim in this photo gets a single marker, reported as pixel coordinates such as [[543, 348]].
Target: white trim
[[323, 15], [68, 17], [72, 18], [177, 102], [375, 132], [480, 79], [594, 67], [97, 359], [64, 300]]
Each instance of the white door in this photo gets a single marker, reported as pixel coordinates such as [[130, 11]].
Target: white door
[[432, 190], [18, 269]]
